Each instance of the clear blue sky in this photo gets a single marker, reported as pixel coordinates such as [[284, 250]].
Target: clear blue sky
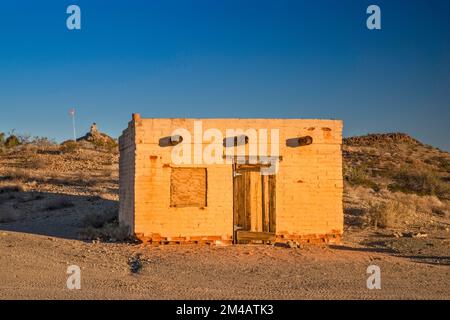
[[226, 58]]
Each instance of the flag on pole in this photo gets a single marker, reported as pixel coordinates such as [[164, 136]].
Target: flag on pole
[[72, 114]]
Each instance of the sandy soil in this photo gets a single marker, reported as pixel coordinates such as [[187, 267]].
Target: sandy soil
[[35, 266]]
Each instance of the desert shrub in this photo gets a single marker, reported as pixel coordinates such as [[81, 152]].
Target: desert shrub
[[388, 214], [420, 182], [35, 163], [58, 204], [12, 188], [26, 151], [98, 220], [12, 141], [84, 179], [104, 226], [443, 212], [42, 141], [357, 176], [24, 138], [423, 204], [109, 232], [441, 162], [2, 139], [16, 175], [69, 146], [107, 145]]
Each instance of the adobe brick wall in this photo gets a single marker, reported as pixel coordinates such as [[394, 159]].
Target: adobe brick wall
[[127, 148], [308, 192]]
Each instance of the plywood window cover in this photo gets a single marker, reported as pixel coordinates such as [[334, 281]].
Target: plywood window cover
[[188, 187]]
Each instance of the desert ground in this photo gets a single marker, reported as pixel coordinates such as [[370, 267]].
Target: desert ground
[[58, 207]]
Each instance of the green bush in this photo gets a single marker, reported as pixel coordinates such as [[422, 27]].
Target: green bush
[[12, 141], [107, 144], [69, 146], [357, 176], [420, 182]]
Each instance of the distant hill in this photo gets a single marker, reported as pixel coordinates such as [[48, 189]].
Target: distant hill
[[398, 162]]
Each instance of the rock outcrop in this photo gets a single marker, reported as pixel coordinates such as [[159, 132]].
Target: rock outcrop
[[97, 138]]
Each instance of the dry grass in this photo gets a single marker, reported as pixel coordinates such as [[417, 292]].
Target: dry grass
[[364, 207], [16, 174], [358, 176], [420, 182], [98, 220], [69, 146], [35, 163], [389, 214], [109, 232], [12, 187], [440, 161], [104, 226]]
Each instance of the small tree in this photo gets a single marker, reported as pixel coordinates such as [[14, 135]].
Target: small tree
[[12, 141], [69, 146]]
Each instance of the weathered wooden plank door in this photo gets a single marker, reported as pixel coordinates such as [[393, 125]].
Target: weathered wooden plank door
[[241, 204], [254, 203]]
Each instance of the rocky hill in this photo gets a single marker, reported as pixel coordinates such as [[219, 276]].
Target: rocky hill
[[397, 162], [397, 191]]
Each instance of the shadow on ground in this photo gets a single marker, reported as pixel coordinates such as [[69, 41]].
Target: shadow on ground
[[49, 214], [363, 249], [379, 247]]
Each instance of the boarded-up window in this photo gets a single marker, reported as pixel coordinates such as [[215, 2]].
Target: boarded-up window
[[188, 187]]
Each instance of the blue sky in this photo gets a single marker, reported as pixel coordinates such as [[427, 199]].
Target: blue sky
[[226, 58]]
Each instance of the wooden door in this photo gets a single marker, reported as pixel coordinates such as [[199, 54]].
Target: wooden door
[[254, 204]]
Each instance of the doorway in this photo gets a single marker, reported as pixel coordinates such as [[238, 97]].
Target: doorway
[[254, 204]]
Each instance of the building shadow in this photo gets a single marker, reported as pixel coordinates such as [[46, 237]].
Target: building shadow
[[363, 249], [50, 214], [435, 260]]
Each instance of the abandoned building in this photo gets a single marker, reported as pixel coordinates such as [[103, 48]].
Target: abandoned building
[[288, 187]]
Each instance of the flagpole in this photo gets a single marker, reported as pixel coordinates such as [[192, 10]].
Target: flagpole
[[72, 113], [74, 130]]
